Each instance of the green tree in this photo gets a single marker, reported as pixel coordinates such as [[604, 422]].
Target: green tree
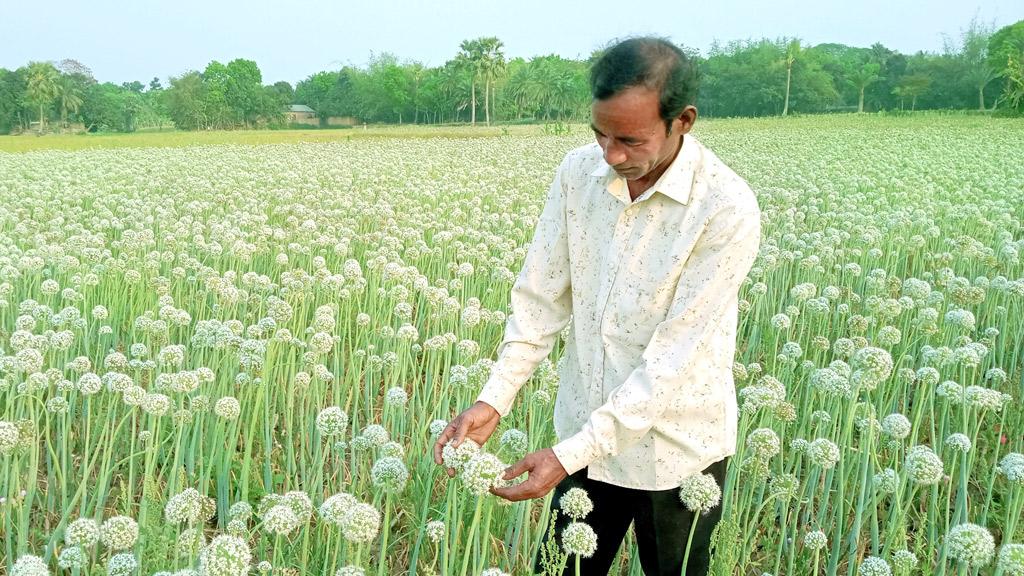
[[315, 92], [974, 54], [243, 91], [185, 101], [12, 100], [1005, 50], [133, 86], [41, 87], [283, 92], [216, 111], [911, 86]]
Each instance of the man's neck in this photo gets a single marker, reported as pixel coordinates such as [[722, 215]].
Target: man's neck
[[640, 185]]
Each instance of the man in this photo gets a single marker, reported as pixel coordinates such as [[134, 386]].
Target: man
[[644, 240]]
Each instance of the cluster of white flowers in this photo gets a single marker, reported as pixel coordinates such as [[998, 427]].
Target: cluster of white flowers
[[923, 465], [971, 544], [389, 474], [1012, 466], [576, 503], [579, 539], [435, 530], [815, 540], [481, 472], [119, 532], [331, 421], [823, 452], [226, 555], [874, 566], [189, 506], [9, 436], [29, 565], [700, 493]]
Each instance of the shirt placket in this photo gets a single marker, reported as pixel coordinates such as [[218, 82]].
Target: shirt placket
[[616, 250]]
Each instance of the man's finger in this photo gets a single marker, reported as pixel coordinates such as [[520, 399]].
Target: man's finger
[[517, 469], [523, 491], [460, 432], [446, 434]]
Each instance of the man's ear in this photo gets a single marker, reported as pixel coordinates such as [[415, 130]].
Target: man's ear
[[687, 118]]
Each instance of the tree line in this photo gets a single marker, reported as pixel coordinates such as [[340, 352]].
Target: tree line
[[981, 70]]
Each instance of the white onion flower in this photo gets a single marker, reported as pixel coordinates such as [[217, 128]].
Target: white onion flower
[[389, 474], [227, 408], [700, 493], [579, 539], [576, 503], [280, 520], [815, 540], [71, 557], [361, 524], [971, 544], [119, 532], [481, 472], [823, 452], [226, 555], [874, 566], [1011, 559], [435, 530], [29, 565], [331, 421], [923, 465], [122, 564]]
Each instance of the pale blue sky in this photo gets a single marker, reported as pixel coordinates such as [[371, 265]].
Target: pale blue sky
[[137, 40]]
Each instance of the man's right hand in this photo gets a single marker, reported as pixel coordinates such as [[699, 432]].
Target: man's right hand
[[476, 423]]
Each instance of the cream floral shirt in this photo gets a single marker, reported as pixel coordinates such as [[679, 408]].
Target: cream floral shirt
[[646, 394]]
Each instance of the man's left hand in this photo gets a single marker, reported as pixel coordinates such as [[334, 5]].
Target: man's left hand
[[545, 472]]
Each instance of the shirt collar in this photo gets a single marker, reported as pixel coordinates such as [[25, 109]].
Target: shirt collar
[[676, 182]]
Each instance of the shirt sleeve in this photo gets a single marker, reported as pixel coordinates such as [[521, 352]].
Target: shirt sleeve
[[709, 282], [541, 301]]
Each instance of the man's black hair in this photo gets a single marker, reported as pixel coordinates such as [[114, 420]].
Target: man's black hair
[[653, 63]]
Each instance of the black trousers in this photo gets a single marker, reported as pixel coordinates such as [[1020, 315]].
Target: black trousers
[[661, 523]]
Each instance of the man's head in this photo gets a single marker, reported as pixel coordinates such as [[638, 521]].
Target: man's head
[[644, 91]]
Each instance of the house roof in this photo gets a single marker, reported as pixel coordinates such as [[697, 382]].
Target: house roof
[[300, 108]]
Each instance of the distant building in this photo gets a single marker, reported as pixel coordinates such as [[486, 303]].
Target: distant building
[[302, 114]]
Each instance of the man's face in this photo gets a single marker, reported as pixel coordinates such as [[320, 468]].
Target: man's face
[[632, 134]]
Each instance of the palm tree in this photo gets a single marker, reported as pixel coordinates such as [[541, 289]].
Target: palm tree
[[470, 57], [41, 87], [492, 65], [792, 53], [979, 77], [862, 78], [69, 97]]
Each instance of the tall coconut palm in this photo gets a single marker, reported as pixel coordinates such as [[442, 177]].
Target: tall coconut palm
[[470, 57], [492, 65], [69, 98], [41, 87], [792, 53]]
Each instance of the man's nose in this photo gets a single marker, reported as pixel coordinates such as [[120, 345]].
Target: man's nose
[[614, 154]]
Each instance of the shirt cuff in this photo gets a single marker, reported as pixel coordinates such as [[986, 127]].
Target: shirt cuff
[[499, 394], [578, 451]]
